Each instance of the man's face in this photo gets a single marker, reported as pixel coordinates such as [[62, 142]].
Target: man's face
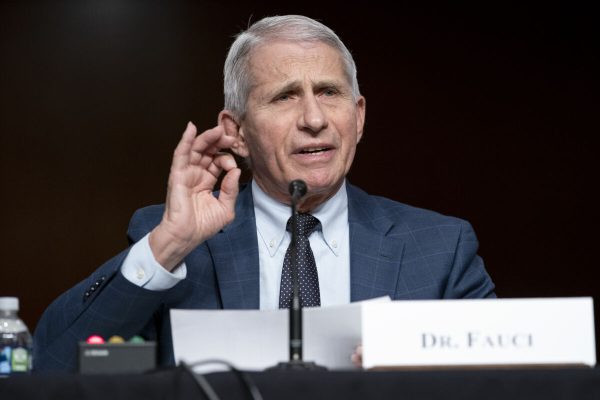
[[301, 120]]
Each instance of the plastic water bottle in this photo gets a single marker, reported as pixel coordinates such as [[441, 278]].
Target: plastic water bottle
[[15, 339]]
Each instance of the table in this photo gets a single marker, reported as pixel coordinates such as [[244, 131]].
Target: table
[[175, 383]]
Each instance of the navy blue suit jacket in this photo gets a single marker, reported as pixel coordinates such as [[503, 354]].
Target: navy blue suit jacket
[[395, 250]]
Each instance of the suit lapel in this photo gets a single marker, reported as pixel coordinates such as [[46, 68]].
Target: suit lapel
[[374, 257], [235, 254]]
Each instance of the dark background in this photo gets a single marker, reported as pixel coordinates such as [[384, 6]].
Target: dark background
[[488, 113]]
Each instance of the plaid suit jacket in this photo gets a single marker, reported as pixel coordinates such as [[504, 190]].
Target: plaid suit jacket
[[395, 250]]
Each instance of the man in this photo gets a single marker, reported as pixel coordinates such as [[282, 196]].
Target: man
[[293, 111]]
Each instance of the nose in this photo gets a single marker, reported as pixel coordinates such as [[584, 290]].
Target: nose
[[312, 118]]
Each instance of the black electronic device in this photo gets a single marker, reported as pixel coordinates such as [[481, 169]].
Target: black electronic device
[[116, 358]]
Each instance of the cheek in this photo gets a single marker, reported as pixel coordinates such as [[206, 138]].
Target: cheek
[[268, 139], [351, 138], [263, 148], [264, 153], [349, 158]]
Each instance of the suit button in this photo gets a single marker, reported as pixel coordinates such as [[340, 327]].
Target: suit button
[[87, 294], [92, 288], [98, 283]]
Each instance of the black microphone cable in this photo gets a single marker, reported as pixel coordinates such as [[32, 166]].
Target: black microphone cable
[[206, 387]]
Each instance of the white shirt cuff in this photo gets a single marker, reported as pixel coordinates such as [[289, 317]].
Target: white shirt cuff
[[141, 268]]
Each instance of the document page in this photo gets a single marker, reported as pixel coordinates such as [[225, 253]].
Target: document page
[[258, 339]]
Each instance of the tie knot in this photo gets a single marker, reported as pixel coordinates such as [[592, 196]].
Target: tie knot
[[307, 224]]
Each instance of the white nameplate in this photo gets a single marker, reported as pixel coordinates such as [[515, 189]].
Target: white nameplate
[[550, 331]]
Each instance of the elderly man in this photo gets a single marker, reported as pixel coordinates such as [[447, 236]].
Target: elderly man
[[293, 110]]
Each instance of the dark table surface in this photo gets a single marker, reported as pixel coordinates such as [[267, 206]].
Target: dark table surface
[[176, 383]]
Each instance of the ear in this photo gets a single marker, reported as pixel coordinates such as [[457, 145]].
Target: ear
[[361, 110], [232, 128]]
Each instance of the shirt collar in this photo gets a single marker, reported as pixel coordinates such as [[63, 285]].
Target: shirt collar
[[272, 216]]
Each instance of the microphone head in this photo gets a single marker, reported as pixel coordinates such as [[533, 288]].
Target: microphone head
[[297, 188]]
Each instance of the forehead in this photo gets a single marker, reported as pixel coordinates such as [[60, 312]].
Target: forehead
[[280, 61]]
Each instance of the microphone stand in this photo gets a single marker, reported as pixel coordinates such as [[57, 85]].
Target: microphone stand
[[297, 189]]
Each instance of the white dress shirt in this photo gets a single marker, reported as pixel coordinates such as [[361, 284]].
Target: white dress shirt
[[330, 245]]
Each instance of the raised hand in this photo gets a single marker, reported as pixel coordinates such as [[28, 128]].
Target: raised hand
[[192, 213]]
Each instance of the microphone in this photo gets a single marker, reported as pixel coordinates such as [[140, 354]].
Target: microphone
[[297, 189]]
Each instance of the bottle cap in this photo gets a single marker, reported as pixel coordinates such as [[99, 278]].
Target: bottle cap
[[9, 303]]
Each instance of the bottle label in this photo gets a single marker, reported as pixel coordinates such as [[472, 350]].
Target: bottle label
[[20, 360], [5, 360], [14, 359]]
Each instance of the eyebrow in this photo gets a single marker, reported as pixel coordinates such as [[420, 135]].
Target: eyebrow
[[296, 85]]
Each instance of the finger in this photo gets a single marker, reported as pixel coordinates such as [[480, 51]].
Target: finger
[[213, 164], [204, 149], [202, 159], [205, 160], [182, 151], [359, 350], [230, 188], [221, 162], [212, 141], [225, 161], [209, 155], [356, 359]]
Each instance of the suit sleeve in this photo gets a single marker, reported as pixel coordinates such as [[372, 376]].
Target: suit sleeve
[[468, 277], [105, 303]]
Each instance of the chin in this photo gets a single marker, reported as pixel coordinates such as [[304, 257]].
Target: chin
[[316, 186]]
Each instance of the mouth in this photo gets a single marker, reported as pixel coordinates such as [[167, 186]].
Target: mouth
[[315, 150]]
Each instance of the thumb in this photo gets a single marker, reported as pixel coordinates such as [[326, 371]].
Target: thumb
[[230, 188]]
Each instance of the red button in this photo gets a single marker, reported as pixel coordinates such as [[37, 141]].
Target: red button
[[95, 339]]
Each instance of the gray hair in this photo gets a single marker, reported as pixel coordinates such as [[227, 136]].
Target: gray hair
[[237, 79]]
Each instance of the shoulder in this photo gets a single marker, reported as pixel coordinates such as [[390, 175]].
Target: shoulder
[[400, 214], [438, 252]]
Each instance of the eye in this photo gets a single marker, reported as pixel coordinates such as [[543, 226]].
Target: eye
[[330, 91], [283, 97]]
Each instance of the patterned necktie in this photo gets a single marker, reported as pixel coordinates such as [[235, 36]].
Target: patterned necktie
[[308, 279]]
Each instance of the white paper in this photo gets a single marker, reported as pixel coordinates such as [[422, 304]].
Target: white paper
[[332, 333], [249, 339], [255, 339]]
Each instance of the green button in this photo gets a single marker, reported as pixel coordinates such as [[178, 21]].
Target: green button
[[137, 339]]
